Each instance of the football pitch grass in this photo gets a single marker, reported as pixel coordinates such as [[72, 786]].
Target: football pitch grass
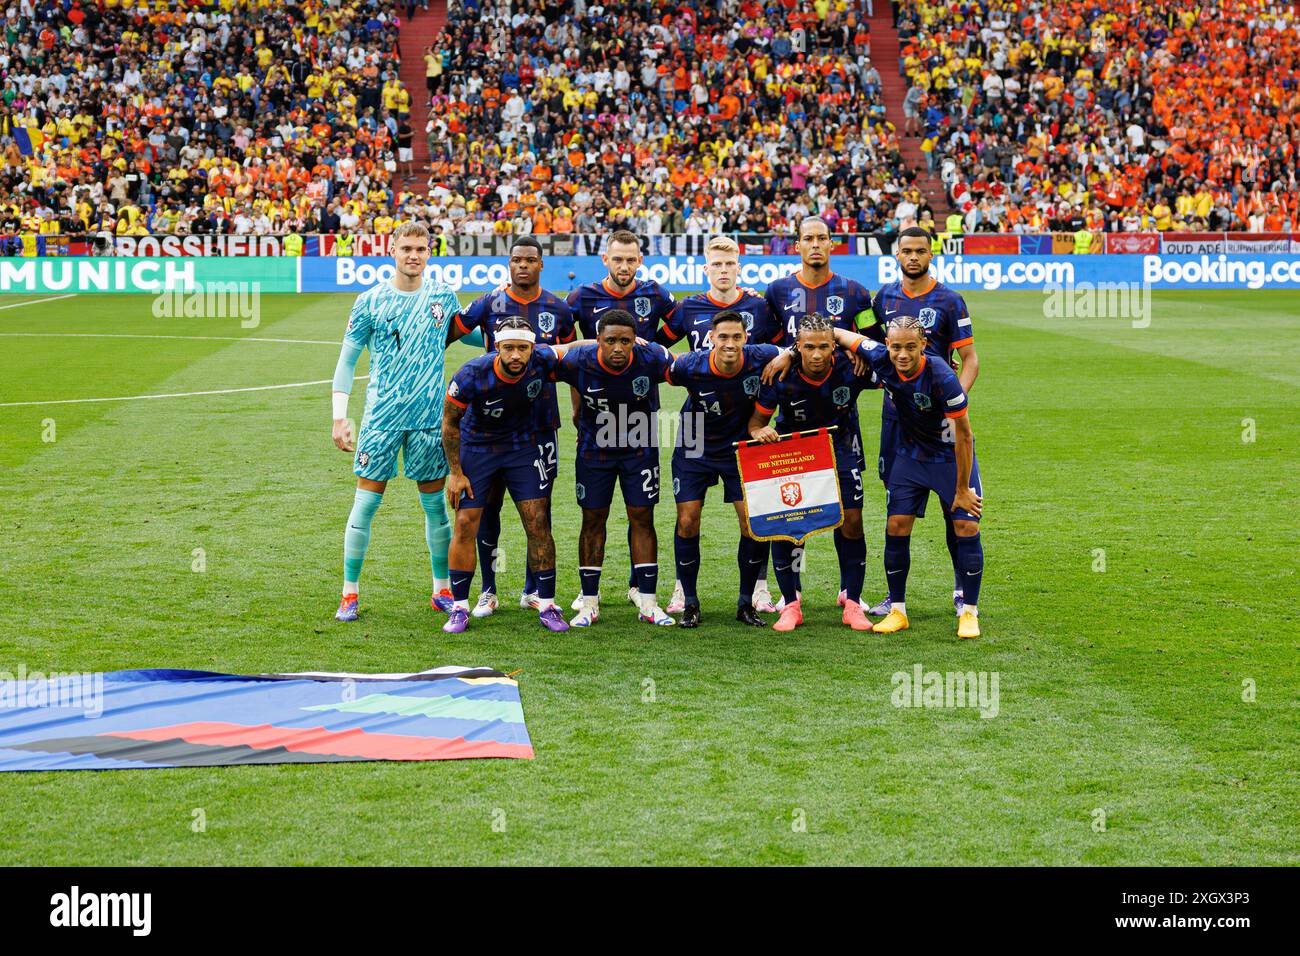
[[1138, 611]]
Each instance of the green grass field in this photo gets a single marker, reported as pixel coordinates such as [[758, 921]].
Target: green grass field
[[1121, 690]]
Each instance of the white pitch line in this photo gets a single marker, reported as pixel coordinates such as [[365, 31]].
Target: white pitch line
[[53, 298], [127, 335], [138, 398]]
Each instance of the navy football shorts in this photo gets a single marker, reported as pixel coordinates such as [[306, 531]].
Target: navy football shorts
[[637, 473], [911, 481], [692, 477]]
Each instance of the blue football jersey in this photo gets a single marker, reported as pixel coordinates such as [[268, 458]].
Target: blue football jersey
[[693, 320], [941, 310], [724, 403], [924, 403], [547, 315], [647, 300], [838, 298], [503, 413], [406, 333], [622, 406], [803, 403]]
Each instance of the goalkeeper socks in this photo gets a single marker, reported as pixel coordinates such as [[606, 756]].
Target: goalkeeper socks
[[853, 567], [970, 554], [460, 582], [437, 534], [898, 561], [842, 557], [950, 536], [356, 537], [647, 581], [489, 532], [590, 578], [687, 553], [751, 556], [787, 578]]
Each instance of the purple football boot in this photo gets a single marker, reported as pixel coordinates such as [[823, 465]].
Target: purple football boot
[[552, 620]]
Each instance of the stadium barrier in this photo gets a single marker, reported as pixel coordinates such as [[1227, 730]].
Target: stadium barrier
[[149, 276], [271, 274], [751, 244]]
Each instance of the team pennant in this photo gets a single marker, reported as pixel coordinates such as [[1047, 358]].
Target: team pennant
[[791, 487]]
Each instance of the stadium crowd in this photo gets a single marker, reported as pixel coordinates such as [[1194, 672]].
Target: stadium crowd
[[661, 116], [247, 118], [237, 116], [1133, 116]]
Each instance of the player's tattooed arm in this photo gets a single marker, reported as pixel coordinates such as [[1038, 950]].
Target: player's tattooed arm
[[457, 483], [964, 495]]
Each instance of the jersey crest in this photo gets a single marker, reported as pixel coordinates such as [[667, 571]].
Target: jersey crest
[[751, 385], [841, 395], [835, 304], [643, 306], [534, 388], [928, 317], [546, 322], [641, 386], [921, 400]]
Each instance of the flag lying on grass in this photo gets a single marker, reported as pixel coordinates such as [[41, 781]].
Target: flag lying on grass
[[174, 718], [791, 488]]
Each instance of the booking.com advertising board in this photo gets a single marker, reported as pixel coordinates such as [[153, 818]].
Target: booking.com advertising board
[[274, 274], [686, 273]]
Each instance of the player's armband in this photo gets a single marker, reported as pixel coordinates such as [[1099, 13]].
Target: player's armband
[[868, 323]]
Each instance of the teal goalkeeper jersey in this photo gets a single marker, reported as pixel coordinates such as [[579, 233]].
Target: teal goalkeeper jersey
[[406, 333]]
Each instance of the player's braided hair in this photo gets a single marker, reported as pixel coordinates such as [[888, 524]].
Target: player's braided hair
[[513, 322], [815, 322], [905, 322]]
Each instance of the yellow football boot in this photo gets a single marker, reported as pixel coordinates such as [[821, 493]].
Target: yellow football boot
[[968, 625], [895, 621]]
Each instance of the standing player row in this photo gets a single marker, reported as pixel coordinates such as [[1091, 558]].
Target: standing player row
[[769, 319]]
